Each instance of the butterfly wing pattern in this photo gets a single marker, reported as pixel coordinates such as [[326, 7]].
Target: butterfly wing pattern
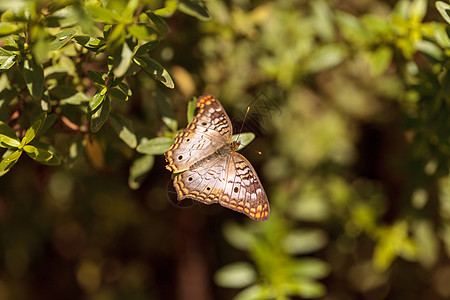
[[207, 168]]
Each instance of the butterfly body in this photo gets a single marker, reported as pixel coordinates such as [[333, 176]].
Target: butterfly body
[[207, 167]]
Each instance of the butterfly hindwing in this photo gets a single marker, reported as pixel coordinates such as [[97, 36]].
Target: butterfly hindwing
[[204, 184], [243, 191]]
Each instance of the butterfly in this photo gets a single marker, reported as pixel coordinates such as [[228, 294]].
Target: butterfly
[[207, 167]]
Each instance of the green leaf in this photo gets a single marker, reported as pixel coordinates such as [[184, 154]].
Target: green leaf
[[124, 129], [8, 160], [245, 138], [255, 292], [418, 10], [102, 14], [34, 128], [29, 148], [13, 156], [117, 37], [7, 59], [168, 10], [158, 22], [326, 57], [68, 95], [75, 150], [139, 169], [191, 109], [430, 49], [62, 38], [143, 32], [427, 242], [147, 47], [100, 116], [96, 100], [45, 154], [123, 61], [195, 9], [8, 28], [380, 60], [97, 77], [155, 146], [34, 77], [118, 94], [305, 288], [7, 136], [153, 68], [235, 275], [323, 20], [441, 35], [6, 141], [444, 9], [304, 241], [312, 268], [238, 236], [166, 111], [40, 155], [95, 44]]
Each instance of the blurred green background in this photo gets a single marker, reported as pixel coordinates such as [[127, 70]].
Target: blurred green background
[[349, 104]]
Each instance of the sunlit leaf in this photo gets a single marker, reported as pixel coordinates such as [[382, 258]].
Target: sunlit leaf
[[123, 62], [96, 100], [100, 115], [326, 57], [245, 138], [418, 10], [147, 47], [102, 14], [153, 68], [255, 292], [9, 158], [380, 59], [139, 170], [304, 241], [235, 275], [91, 43], [312, 268], [124, 129], [169, 8], [6, 141], [238, 237], [7, 59], [191, 109], [8, 28], [62, 38], [155, 146], [34, 128], [8, 136], [40, 155], [195, 9], [143, 32], [444, 10]]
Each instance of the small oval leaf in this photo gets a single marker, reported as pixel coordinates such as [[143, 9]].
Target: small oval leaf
[[155, 146]]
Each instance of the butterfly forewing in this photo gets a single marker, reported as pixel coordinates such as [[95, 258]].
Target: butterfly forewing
[[211, 171], [210, 129]]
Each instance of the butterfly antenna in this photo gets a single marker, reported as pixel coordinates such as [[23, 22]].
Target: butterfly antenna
[[243, 121]]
